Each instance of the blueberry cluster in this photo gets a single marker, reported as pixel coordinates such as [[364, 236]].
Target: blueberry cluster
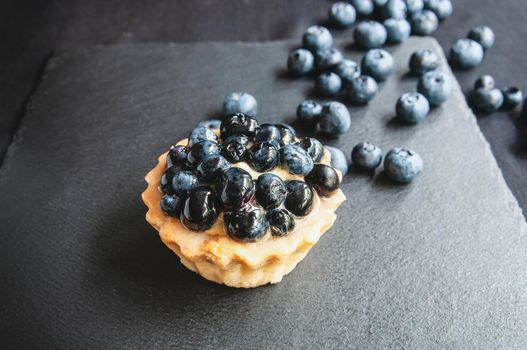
[[200, 180], [469, 52], [485, 98]]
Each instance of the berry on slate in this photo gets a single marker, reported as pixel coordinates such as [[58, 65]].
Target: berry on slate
[[422, 61], [199, 211], [338, 159], [281, 222], [342, 14], [378, 64], [183, 181], [412, 107], [486, 101], [246, 224], [201, 150], [299, 199], [483, 35], [270, 190], [424, 23], [362, 90], [263, 156], [347, 70], [171, 205], [308, 113], [398, 30], [210, 167], [268, 133], [395, 9], [201, 133], [327, 58], [313, 147], [512, 97], [484, 82], [466, 53], [403, 165], [240, 102], [300, 62], [370, 34], [211, 124], [366, 156], [335, 119], [295, 159], [317, 38], [324, 179], [363, 8], [177, 156], [442, 8], [414, 6], [435, 86], [235, 188], [328, 84], [238, 123]]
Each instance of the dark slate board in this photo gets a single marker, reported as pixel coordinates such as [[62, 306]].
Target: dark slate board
[[439, 264]]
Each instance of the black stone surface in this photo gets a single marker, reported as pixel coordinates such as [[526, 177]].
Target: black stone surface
[[440, 264]]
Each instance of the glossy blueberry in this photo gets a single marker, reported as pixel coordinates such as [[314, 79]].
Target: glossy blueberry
[[485, 82], [234, 151], [308, 113], [324, 179], [238, 123], [177, 156], [295, 159], [281, 222], [268, 133], [313, 147], [378, 64], [201, 150], [240, 138], [263, 156], [414, 6], [165, 182], [201, 133], [240, 102], [328, 84], [300, 62], [422, 61], [395, 9], [442, 8], [466, 54], [235, 188], [199, 211], [317, 38], [403, 165], [246, 224], [366, 156], [211, 124], [486, 101], [412, 107], [327, 58], [362, 90], [363, 8], [398, 30], [335, 119], [287, 133], [270, 190], [512, 97], [183, 181], [338, 159], [299, 199], [342, 14], [435, 86], [211, 167], [482, 35], [171, 205], [347, 70], [370, 34], [424, 23]]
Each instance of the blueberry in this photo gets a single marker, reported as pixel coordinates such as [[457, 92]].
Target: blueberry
[[435, 86], [422, 61], [338, 159], [362, 90], [308, 113], [296, 160], [201, 134], [335, 119], [246, 225], [211, 167], [268, 133], [177, 156], [486, 101], [317, 38], [327, 58], [342, 14], [270, 190], [412, 107], [240, 102], [366, 156], [263, 156], [201, 150], [165, 182], [300, 62], [442, 8], [238, 123], [403, 165], [363, 8], [424, 23], [240, 138], [378, 64], [281, 222], [235, 188], [211, 124], [466, 54], [287, 133], [171, 205], [324, 179], [485, 82], [347, 70], [234, 151], [414, 6], [313, 147], [395, 9], [183, 181], [482, 35], [370, 34], [398, 30], [328, 84], [512, 97], [299, 199], [199, 211]]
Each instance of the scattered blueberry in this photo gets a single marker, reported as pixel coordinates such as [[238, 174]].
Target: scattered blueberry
[[398, 30], [335, 119], [424, 23], [240, 102], [201, 133], [313, 147], [308, 113], [412, 107], [466, 53], [442, 8], [324, 179], [247, 225], [201, 150], [299, 199], [512, 97], [370, 34], [486, 101], [482, 35], [211, 167], [422, 61], [238, 123], [328, 84], [362, 90], [235, 188], [342, 14], [165, 182], [281, 222], [364, 8], [177, 156], [199, 210], [366, 156], [403, 165], [234, 151], [414, 6], [395, 9], [347, 70], [378, 64], [338, 159], [171, 205], [268, 133], [270, 190], [300, 62], [435, 86], [327, 58], [263, 156], [287, 134], [484, 82], [295, 159], [317, 38], [211, 124], [183, 181]]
